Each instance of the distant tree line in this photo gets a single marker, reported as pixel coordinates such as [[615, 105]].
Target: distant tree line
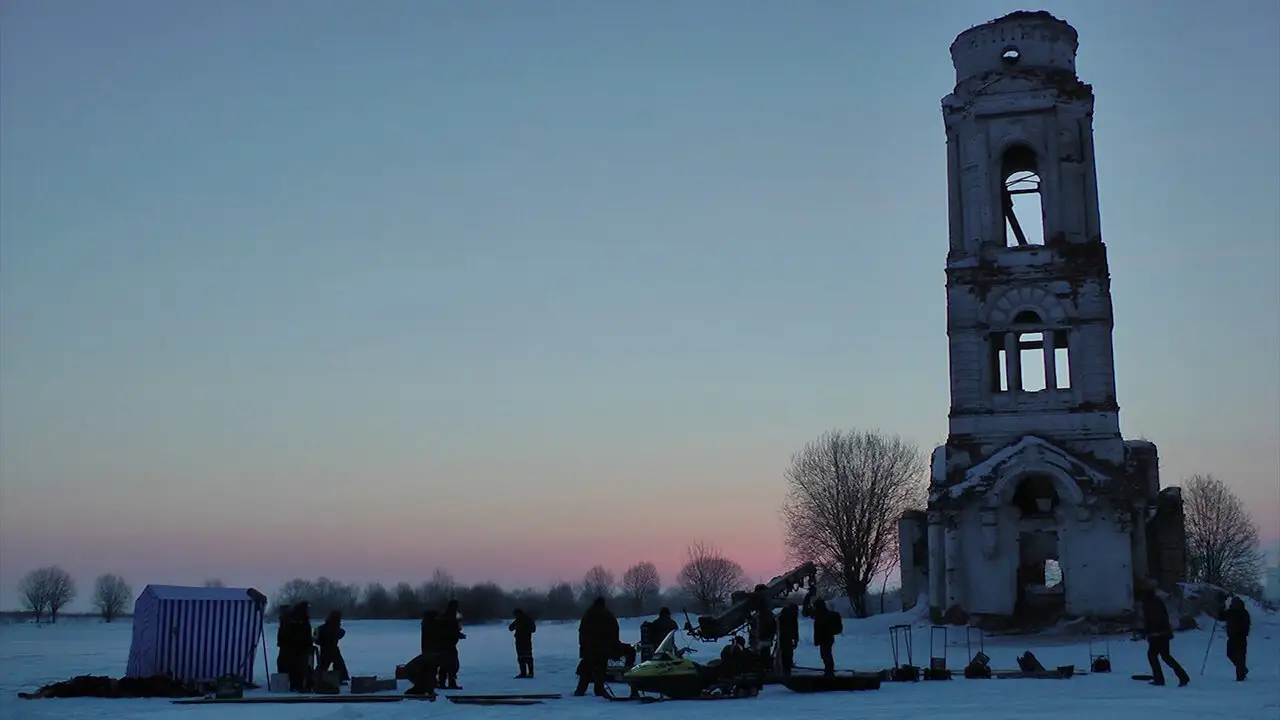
[[705, 582]]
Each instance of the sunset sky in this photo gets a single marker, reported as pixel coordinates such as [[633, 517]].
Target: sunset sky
[[360, 289]]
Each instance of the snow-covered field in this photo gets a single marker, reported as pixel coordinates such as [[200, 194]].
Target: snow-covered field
[[31, 656]]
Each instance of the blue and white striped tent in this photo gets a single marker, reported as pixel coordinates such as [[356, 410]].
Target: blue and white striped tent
[[196, 634]]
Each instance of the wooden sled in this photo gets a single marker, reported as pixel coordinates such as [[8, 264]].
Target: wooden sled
[[1033, 675], [837, 683], [503, 699], [300, 700]]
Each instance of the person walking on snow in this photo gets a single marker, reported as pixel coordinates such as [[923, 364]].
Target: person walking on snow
[[1238, 623], [1159, 632]]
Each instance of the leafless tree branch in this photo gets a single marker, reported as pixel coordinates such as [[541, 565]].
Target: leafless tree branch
[[1222, 539], [846, 491], [597, 582], [641, 586], [47, 589], [709, 577], [111, 595]]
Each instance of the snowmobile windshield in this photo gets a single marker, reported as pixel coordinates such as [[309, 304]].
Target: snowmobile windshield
[[667, 649]]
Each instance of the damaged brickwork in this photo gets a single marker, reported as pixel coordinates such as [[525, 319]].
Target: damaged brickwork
[[1038, 505]]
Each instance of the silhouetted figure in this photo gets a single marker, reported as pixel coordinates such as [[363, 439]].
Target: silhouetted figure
[[1238, 623], [300, 648], [732, 658], [282, 641], [598, 640], [788, 636], [765, 628], [327, 637], [422, 669], [524, 627], [1159, 632], [827, 625], [653, 632], [664, 625], [449, 633]]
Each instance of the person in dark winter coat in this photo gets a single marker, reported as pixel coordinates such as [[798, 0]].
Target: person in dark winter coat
[[449, 633], [732, 658], [653, 632], [301, 648], [422, 669], [788, 635], [327, 637], [524, 627], [664, 625], [282, 641], [598, 640], [1236, 616], [827, 625], [1159, 632]]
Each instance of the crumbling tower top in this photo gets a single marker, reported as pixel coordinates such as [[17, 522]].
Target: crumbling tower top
[[1020, 40]]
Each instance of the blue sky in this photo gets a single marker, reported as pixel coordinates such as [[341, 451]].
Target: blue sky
[[515, 288]]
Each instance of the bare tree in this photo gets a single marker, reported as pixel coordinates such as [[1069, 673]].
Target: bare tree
[[1222, 539], [597, 582], [34, 589], [641, 586], [709, 577], [111, 595], [214, 583], [440, 589], [846, 491], [47, 589]]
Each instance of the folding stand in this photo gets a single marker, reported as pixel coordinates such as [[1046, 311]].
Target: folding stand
[[979, 666], [937, 663], [902, 673], [1100, 662]]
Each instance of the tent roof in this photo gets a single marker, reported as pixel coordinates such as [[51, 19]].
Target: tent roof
[[179, 592]]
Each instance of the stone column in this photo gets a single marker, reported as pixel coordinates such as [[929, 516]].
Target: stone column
[[951, 539], [908, 534], [937, 564], [1138, 535], [1050, 362], [1013, 362]]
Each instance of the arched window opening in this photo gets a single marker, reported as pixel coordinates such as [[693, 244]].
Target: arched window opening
[[1020, 196], [1029, 360], [1036, 497]]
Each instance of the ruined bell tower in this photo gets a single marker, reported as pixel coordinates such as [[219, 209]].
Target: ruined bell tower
[[1037, 503], [1028, 293]]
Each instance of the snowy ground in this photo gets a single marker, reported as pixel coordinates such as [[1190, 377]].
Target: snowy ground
[[31, 656]]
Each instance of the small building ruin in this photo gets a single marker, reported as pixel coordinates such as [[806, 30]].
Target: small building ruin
[[1038, 506]]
